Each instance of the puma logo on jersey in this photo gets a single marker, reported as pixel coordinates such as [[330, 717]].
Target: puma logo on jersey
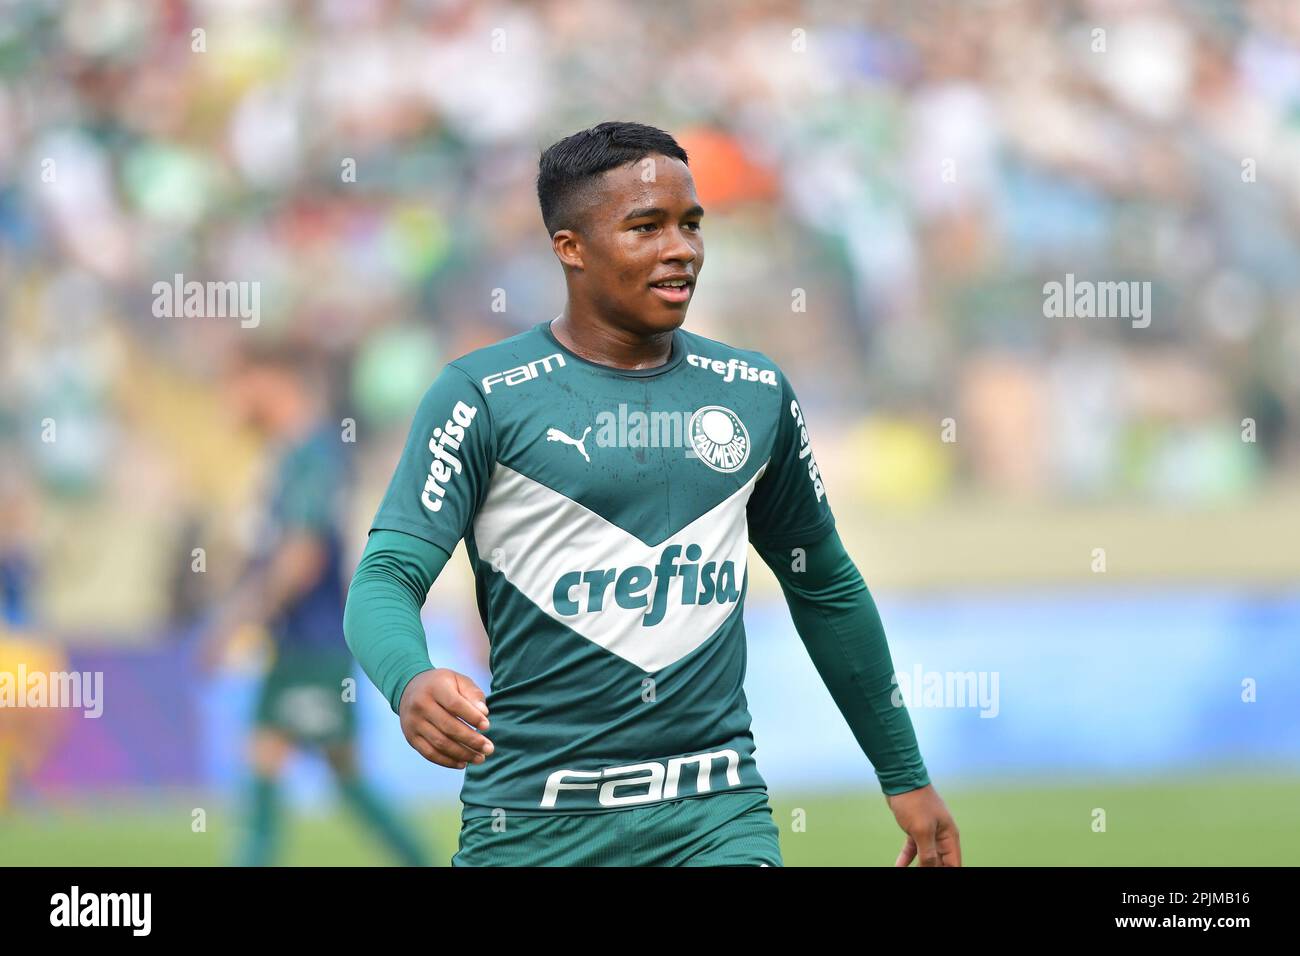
[[583, 592], [554, 434], [444, 443], [652, 780], [522, 373]]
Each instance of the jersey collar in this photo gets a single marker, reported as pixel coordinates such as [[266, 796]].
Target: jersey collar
[[674, 357]]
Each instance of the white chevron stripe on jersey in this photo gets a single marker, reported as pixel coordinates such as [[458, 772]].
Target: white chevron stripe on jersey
[[603, 582]]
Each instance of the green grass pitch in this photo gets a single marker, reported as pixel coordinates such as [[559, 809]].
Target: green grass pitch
[[1215, 821]]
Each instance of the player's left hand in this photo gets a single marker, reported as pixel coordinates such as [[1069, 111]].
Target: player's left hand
[[932, 836]]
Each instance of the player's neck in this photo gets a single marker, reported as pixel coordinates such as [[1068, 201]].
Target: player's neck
[[605, 344]]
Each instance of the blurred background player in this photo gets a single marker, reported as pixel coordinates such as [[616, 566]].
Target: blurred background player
[[293, 590]]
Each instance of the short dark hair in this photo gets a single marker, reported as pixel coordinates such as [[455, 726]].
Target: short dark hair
[[305, 363], [567, 167]]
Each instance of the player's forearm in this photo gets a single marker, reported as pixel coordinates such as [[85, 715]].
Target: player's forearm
[[381, 620], [841, 628]]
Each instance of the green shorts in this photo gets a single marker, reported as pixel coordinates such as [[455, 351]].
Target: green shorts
[[719, 829], [302, 698]]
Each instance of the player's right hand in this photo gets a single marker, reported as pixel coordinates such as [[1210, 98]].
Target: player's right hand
[[440, 711]]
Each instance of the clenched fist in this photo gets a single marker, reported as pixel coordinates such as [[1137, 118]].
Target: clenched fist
[[439, 711]]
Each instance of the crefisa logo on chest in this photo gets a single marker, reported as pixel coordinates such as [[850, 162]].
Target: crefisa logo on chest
[[719, 438]]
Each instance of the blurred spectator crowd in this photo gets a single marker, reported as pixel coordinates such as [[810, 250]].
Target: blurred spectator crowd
[[888, 188]]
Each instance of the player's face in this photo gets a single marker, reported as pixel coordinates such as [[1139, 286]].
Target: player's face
[[640, 244], [255, 396]]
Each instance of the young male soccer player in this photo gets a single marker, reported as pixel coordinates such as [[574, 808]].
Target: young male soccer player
[[610, 563], [294, 587]]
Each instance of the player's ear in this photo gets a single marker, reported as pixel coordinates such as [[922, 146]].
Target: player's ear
[[568, 247]]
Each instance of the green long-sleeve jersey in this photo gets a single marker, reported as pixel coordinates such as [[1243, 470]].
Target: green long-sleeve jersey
[[607, 515]]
